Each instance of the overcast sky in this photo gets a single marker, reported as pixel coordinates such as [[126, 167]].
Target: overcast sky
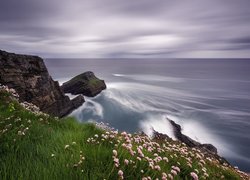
[[126, 28]]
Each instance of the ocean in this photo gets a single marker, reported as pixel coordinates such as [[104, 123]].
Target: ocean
[[209, 98]]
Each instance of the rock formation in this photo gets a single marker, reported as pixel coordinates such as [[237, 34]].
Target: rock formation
[[29, 76], [188, 141], [86, 83]]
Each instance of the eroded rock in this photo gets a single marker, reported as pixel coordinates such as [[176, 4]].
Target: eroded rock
[[29, 76], [86, 83]]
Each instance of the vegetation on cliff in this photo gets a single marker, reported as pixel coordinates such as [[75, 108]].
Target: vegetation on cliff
[[38, 146]]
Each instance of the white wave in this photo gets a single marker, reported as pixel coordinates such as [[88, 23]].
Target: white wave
[[71, 96], [156, 104], [90, 106], [200, 133], [150, 77], [158, 123]]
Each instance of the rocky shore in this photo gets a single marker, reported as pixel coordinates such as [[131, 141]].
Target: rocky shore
[[29, 76]]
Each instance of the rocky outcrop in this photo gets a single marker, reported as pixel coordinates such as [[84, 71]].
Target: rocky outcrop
[[190, 142], [29, 76], [86, 83]]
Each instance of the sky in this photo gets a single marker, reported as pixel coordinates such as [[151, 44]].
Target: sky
[[126, 28]]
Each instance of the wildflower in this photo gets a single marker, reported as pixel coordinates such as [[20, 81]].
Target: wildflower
[[66, 146], [142, 171], [151, 166], [165, 159], [194, 176], [96, 135], [157, 167], [126, 161], [196, 170], [52, 155], [164, 176], [174, 172], [73, 143], [190, 165], [170, 176], [124, 133], [120, 174], [138, 158], [176, 168], [116, 160], [115, 153]]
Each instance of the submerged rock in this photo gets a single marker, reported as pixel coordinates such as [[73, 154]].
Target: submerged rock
[[29, 76], [86, 83]]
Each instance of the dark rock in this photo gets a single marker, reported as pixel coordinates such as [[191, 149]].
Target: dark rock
[[159, 136], [86, 83], [190, 142], [29, 76]]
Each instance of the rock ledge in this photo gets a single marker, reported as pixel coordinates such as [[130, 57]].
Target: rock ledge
[[29, 76]]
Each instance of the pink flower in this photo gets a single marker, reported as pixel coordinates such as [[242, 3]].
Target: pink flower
[[124, 133], [164, 176], [157, 167], [194, 176], [176, 168], [174, 172], [116, 160], [126, 161], [131, 152], [120, 173]]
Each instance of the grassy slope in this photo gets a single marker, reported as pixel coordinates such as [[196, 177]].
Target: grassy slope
[[39, 152]]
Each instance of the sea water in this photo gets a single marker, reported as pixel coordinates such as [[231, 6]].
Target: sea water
[[209, 98]]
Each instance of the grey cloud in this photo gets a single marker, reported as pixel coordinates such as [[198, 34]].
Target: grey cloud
[[118, 28]]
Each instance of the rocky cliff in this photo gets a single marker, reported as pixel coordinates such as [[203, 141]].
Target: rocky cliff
[[188, 141], [29, 76], [86, 83]]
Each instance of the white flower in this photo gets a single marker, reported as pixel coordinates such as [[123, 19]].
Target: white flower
[[66, 146], [73, 143], [114, 152]]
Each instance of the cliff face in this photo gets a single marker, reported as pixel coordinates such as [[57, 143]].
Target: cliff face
[[29, 76], [86, 84]]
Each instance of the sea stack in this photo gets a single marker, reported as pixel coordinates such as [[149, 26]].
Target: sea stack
[[29, 76], [86, 84]]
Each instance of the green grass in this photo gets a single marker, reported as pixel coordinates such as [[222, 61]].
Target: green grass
[[39, 151]]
